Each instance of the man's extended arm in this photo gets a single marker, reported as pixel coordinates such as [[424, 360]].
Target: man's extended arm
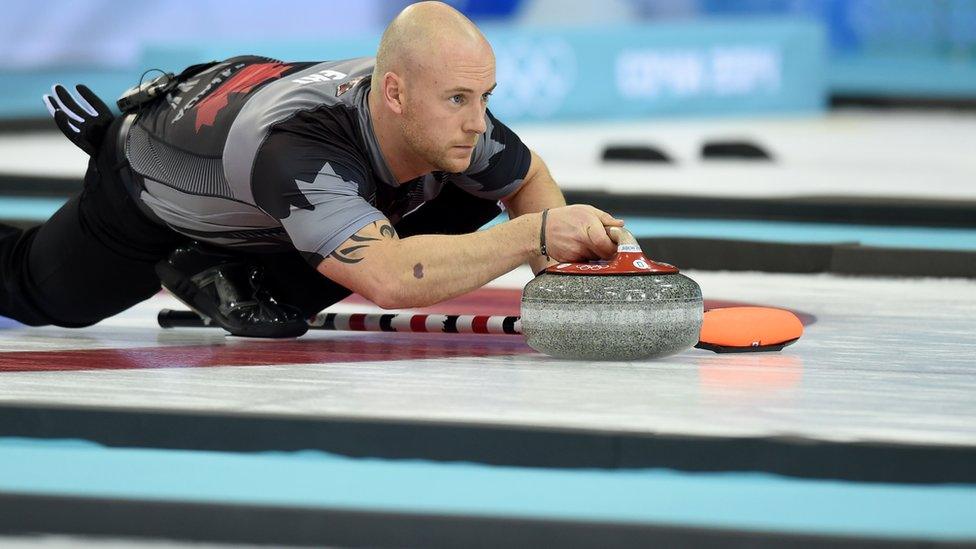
[[538, 192], [426, 269]]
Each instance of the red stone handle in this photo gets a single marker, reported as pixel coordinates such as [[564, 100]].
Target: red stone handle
[[630, 260]]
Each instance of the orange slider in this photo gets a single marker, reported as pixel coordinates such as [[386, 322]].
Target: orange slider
[[748, 329]]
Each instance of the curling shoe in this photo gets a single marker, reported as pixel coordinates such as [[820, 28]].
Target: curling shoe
[[223, 289]]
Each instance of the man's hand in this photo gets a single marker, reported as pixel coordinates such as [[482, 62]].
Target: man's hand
[[84, 120], [579, 233]]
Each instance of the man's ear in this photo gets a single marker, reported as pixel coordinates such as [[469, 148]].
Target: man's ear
[[393, 92]]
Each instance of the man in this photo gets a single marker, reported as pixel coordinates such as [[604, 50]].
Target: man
[[301, 182]]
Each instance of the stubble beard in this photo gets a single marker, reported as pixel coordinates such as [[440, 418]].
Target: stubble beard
[[427, 150]]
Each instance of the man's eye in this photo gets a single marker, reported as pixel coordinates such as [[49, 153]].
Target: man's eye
[[485, 97], [457, 99]]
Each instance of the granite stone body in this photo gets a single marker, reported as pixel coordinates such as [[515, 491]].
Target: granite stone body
[[612, 317]]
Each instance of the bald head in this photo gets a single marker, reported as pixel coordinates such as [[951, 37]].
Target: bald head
[[429, 96], [422, 35]]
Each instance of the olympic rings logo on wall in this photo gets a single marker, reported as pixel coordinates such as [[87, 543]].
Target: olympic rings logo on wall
[[535, 77]]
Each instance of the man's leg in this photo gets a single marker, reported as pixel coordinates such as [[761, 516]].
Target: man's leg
[[92, 259], [292, 280]]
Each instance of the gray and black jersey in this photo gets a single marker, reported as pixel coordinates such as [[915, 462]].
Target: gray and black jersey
[[259, 153]]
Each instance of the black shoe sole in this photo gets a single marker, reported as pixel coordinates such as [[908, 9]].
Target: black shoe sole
[[184, 290]]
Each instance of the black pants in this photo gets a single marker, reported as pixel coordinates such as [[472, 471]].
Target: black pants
[[95, 256]]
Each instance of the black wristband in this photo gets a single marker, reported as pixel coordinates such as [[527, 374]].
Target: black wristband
[[542, 235]]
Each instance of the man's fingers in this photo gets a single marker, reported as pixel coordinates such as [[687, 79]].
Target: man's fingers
[[601, 242], [64, 123], [580, 231], [91, 102], [49, 103], [607, 219], [67, 103]]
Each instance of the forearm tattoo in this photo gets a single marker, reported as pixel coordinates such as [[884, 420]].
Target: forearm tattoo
[[348, 254]]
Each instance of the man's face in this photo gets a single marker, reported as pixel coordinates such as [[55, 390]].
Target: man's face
[[444, 107]]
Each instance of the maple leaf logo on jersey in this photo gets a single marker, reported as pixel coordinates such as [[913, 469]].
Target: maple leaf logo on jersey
[[242, 82]]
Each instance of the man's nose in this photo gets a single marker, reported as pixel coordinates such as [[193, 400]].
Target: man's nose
[[476, 123]]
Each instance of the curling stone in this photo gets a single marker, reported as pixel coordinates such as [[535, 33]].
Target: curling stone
[[627, 308]]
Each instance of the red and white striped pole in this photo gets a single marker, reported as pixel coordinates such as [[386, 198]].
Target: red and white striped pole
[[391, 322]]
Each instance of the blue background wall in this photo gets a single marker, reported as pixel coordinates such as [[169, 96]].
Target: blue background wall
[[557, 59]]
